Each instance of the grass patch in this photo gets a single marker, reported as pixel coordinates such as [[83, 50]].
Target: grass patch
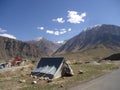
[[90, 72], [9, 79], [39, 87]]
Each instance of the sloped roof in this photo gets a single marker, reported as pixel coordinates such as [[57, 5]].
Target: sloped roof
[[48, 65]]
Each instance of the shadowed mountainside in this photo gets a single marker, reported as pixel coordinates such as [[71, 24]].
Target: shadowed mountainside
[[48, 46], [10, 48]]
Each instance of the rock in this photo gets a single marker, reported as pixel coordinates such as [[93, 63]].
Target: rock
[[34, 82], [41, 78], [61, 85], [49, 80], [80, 72], [46, 78], [94, 63], [22, 81], [35, 77], [31, 75]]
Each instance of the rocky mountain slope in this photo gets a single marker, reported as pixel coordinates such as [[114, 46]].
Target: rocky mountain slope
[[101, 40], [113, 57], [97, 39], [10, 48], [48, 46]]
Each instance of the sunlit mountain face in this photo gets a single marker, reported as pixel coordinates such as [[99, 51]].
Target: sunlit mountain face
[[99, 36]]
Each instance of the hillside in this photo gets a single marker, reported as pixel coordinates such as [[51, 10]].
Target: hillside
[[10, 48], [113, 57], [98, 41], [48, 46]]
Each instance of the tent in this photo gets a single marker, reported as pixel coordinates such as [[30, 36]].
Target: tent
[[52, 68]]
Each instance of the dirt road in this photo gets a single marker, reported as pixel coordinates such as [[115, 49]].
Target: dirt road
[[110, 81]]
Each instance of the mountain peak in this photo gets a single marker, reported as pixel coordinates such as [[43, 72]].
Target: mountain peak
[[38, 38], [10, 48], [91, 27], [48, 46], [104, 35], [98, 26]]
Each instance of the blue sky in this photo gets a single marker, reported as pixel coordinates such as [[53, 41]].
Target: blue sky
[[55, 20]]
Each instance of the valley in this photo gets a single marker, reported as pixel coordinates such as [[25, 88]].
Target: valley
[[88, 51]]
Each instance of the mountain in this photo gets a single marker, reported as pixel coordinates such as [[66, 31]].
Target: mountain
[[100, 39], [113, 57], [10, 48], [60, 43], [48, 46]]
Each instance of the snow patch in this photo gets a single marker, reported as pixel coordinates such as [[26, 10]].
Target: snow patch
[[91, 27], [38, 39]]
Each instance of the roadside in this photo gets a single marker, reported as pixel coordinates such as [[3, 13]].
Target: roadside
[[107, 82], [90, 71], [9, 79]]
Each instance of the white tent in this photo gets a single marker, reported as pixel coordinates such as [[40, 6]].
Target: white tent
[[52, 68]]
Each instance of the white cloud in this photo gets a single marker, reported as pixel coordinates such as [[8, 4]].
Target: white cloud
[[59, 20], [60, 42], [40, 28], [63, 31], [69, 29], [2, 31], [58, 32], [50, 31], [83, 14], [75, 18], [8, 35]]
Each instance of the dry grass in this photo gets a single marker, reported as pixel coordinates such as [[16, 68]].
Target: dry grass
[[88, 55], [9, 80]]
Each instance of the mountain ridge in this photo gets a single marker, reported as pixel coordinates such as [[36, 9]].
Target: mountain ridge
[[102, 36], [48, 46], [10, 48], [104, 39]]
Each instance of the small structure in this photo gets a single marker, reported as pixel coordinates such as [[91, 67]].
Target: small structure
[[52, 68], [3, 64], [17, 61], [1, 67]]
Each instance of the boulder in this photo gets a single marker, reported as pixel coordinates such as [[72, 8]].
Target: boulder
[[34, 82], [80, 72], [22, 81]]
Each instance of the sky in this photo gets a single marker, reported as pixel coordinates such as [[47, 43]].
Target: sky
[[55, 20]]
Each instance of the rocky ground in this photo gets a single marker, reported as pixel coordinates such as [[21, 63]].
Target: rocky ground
[[19, 78]]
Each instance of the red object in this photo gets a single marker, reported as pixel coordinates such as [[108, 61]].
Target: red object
[[16, 60]]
